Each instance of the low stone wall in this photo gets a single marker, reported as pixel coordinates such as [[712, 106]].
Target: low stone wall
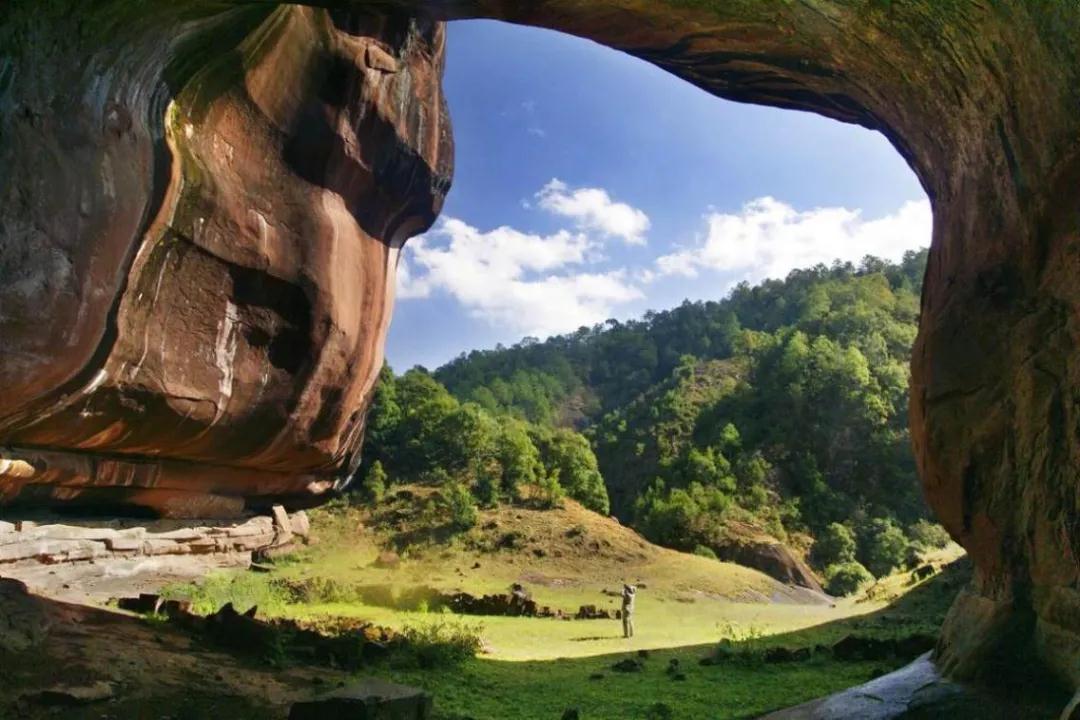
[[30, 542]]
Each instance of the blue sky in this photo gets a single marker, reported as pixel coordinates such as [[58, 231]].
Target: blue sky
[[590, 184]]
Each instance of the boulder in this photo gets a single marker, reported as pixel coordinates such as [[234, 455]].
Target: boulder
[[628, 665], [591, 612], [786, 655], [146, 603], [749, 546], [370, 699], [853, 647]]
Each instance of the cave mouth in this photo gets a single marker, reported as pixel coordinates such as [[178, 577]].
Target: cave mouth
[[800, 195], [962, 92]]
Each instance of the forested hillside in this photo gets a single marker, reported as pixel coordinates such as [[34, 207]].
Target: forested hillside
[[780, 410]]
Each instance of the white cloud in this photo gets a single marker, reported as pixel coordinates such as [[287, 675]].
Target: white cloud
[[542, 285], [769, 238], [592, 209], [513, 279]]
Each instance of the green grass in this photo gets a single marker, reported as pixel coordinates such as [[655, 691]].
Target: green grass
[[487, 690], [536, 668]]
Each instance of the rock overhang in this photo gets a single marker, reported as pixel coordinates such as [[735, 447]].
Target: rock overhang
[[169, 208]]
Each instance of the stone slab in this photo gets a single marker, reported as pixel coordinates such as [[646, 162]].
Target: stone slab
[[369, 699], [257, 526], [919, 691], [281, 523], [124, 544], [301, 524]]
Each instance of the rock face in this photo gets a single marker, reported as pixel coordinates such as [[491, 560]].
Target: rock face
[[751, 547], [200, 207], [200, 212]]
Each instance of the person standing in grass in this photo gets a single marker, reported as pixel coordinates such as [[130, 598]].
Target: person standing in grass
[[629, 592]]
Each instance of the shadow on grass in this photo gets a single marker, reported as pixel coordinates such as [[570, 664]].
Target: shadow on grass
[[736, 679], [591, 638]]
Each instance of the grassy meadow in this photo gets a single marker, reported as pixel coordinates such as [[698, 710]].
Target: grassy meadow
[[688, 607]]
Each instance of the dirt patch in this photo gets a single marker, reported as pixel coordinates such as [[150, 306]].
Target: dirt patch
[[153, 670]]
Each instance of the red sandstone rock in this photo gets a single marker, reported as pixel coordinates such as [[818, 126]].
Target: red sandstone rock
[[213, 247], [200, 207]]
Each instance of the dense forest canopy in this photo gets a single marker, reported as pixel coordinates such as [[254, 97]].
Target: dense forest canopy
[[781, 408]]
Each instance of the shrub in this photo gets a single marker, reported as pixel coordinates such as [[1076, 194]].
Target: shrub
[[882, 547], [846, 578], [460, 506], [244, 591], [928, 535], [374, 485], [705, 551], [835, 544], [442, 642]]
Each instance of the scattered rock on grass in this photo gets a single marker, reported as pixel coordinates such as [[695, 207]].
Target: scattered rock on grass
[[628, 665], [853, 647], [786, 655], [921, 573], [591, 612]]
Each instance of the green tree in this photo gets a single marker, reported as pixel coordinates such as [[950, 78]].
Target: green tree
[[882, 546], [846, 578], [928, 535], [795, 388], [420, 444], [465, 440], [488, 486], [384, 415], [835, 544], [460, 506], [550, 491], [569, 453], [518, 458]]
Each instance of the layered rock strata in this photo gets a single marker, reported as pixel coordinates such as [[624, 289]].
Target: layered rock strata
[[25, 543]]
